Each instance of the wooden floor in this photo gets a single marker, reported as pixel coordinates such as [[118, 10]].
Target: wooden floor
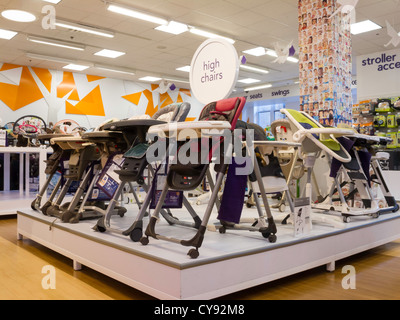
[[21, 263]]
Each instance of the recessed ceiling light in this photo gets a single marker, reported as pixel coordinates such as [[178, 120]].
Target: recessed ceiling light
[[173, 27], [148, 78], [258, 87], [184, 69], [210, 35], [56, 43], [136, 14], [7, 34], [18, 15], [364, 26], [259, 51], [76, 67], [83, 28], [248, 80], [109, 53], [53, 1], [254, 68], [115, 69], [292, 59], [272, 53]]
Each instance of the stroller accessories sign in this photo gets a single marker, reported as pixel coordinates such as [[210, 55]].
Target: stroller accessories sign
[[214, 70]]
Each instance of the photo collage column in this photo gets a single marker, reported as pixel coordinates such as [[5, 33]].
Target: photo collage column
[[325, 62]]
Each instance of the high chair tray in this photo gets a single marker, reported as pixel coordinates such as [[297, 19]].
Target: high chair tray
[[168, 128], [101, 134], [276, 143], [131, 124]]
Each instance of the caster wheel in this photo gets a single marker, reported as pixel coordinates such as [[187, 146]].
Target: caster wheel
[[222, 230], [193, 253], [45, 207], [68, 216], [272, 238], [144, 241], [346, 219], [35, 205], [121, 211], [100, 229], [248, 205], [375, 215], [266, 234], [136, 235]]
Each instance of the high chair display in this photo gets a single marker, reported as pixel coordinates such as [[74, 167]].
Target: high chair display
[[135, 165], [64, 128], [216, 117], [340, 145], [84, 156], [272, 181]]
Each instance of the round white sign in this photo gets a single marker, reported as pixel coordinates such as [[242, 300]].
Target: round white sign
[[214, 70]]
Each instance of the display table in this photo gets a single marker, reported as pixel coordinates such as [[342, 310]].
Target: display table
[[7, 151], [11, 196], [227, 263]]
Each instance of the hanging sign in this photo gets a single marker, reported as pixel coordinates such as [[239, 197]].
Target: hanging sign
[[378, 75], [214, 70]]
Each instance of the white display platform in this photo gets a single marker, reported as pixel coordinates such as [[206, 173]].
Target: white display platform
[[227, 263], [10, 200]]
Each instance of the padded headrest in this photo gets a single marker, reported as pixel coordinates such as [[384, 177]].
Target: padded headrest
[[175, 112], [224, 110]]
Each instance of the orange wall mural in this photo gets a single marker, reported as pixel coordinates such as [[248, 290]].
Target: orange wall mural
[[57, 95]]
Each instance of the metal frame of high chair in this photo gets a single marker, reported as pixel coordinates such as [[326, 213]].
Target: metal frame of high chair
[[207, 113], [136, 229], [79, 148], [53, 164], [109, 143], [359, 180], [264, 223], [309, 142]]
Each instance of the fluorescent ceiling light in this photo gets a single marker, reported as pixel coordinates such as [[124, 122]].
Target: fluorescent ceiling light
[[56, 43], [259, 51], [248, 80], [176, 80], [109, 53], [136, 14], [76, 67], [148, 78], [114, 69], [292, 59], [7, 34], [253, 68], [47, 58], [364, 26], [173, 27], [210, 35], [83, 28], [18, 15], [258, 87], [53, 1], [184, 69], [272, 53]]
